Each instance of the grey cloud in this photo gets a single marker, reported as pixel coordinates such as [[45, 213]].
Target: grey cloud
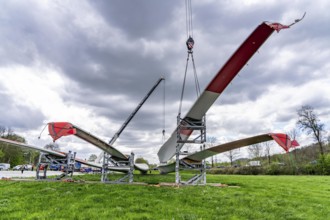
[[99, 72], [138, 19], [18, 116]]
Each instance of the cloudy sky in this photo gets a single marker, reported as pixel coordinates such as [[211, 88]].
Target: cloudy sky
[[91, 62]]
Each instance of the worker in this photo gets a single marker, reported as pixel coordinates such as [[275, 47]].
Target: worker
[[22, 168]]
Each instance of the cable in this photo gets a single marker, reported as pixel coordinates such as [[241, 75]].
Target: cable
[[189, 23], [190, 44], [42, 131], [187, 29], [198, 90], [164, 114], [183, 85]]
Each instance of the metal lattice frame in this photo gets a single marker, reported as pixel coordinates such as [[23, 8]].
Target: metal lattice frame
[[200, 139], [108, 162], [47, 160]]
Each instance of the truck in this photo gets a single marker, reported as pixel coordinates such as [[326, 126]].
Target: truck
[[26, 167], [4, 166], [254, 163]]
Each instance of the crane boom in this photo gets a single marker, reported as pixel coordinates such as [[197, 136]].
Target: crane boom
[[117, 134]]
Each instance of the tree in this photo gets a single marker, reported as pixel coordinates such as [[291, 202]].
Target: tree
[[267, 147], [232, 155], [210, 143], [30, 156], [2, 130], [11, 154], [309, 122], [2, 154], [92, 158], [255, 150], [293, 135], [141, 160]]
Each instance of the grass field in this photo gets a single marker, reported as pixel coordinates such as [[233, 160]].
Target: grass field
[[246, 197]]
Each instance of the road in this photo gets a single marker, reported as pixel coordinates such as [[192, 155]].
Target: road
[[25, 174]]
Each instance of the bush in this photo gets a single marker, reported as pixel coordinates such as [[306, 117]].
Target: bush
[[327, 164], [323, 164], [310, 169], [320, 167], [273, 169], [245, 170]]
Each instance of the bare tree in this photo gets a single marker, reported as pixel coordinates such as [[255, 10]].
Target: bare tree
[[211, 140], [92, 158], [309, 122], [255, 150], [210, 143], [2, 130], [267, 150], [10, 132], [293, 135], [232, 155], [52, 146]]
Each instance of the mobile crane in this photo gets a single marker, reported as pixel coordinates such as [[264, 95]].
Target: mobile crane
[[131, 116]]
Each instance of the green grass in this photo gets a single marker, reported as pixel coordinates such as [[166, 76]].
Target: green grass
[[252, 197]]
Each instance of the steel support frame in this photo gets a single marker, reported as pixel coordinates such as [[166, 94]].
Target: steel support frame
[[108, 162], [46, 160], [200, 139]]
